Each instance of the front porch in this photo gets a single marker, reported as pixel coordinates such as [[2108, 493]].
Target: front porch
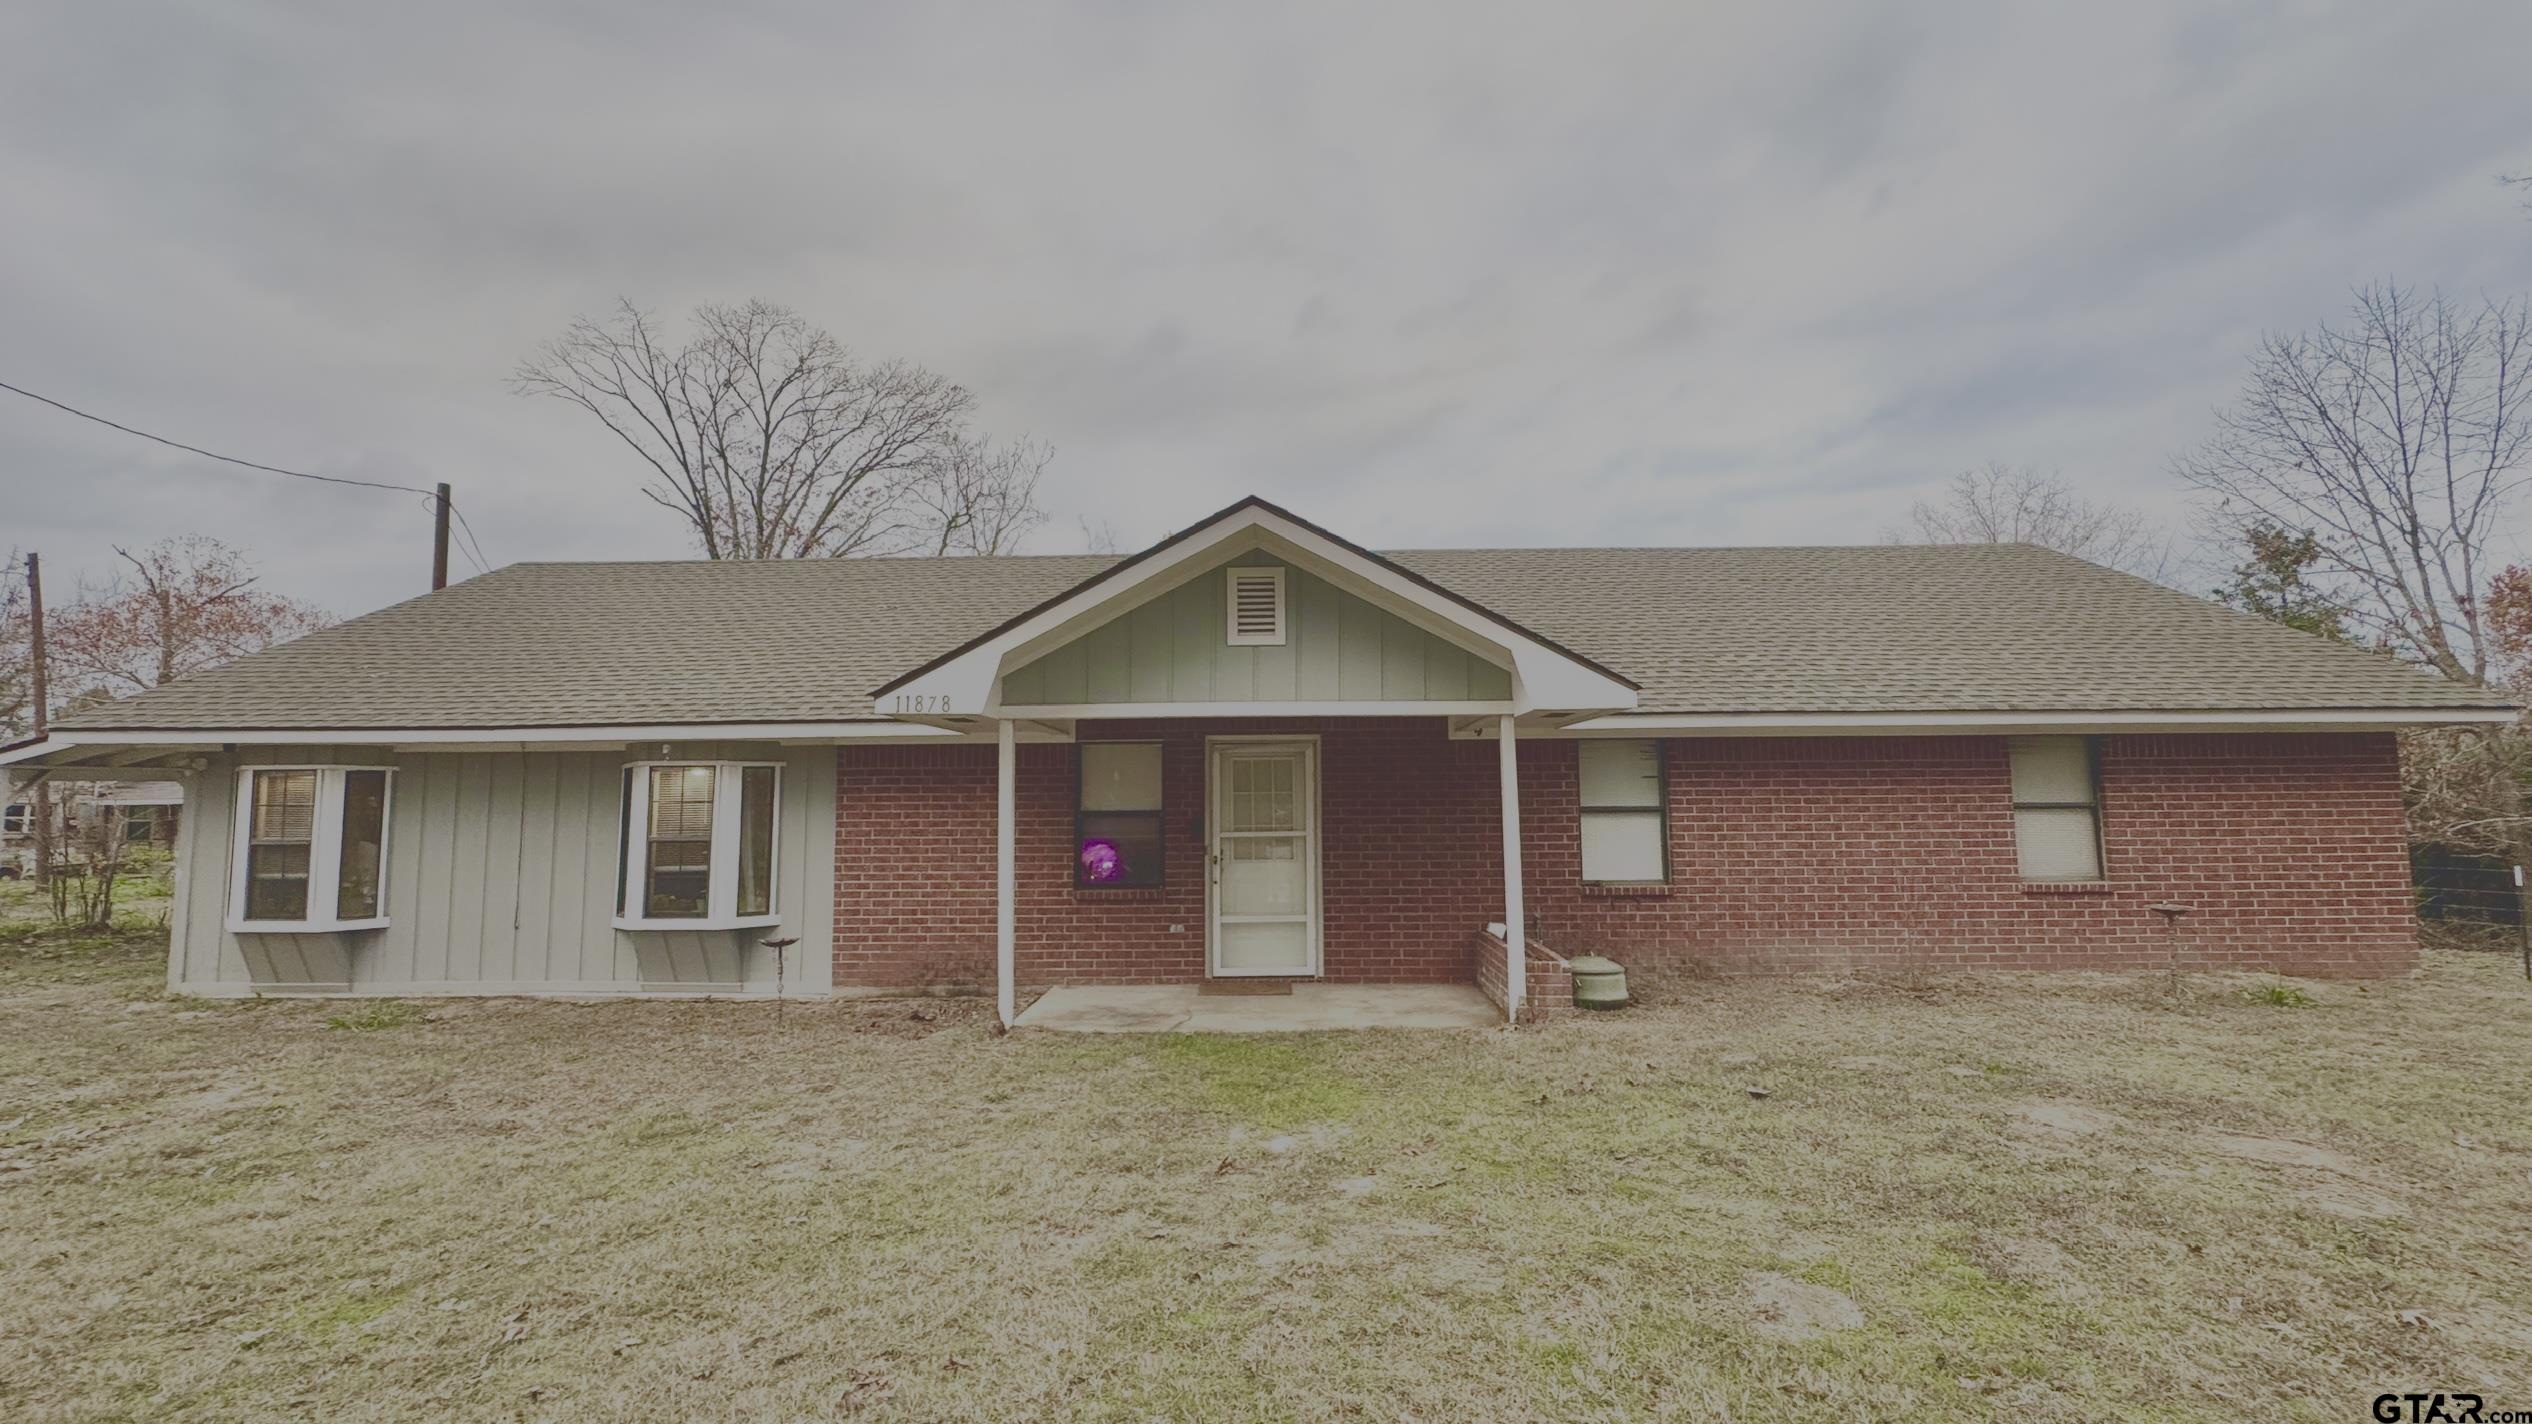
[[1389, 867], [1308, 1008]]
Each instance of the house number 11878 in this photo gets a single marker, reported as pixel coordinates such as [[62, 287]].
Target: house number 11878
[[921, 702]]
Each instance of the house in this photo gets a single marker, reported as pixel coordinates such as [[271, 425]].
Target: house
[[1256, 749], [140, 812]]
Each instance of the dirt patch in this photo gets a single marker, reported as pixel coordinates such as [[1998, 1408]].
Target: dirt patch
[[2278, 1152], [1787, 1309], [2355, 1200], [2068, 1119], [2031, 1261], [1869, 1063]]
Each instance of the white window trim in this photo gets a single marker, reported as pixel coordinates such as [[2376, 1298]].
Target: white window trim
[[1274, 574], [721, 892], [325, 853]]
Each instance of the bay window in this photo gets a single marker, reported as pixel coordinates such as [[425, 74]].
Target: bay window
[[1625, 813], [311, 849], [699, 845], [1117, 821]]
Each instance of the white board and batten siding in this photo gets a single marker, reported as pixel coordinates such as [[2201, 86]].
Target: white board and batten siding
[[501, 879], [1183, 646]]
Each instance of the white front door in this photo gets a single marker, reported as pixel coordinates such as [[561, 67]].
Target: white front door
[[1263, 900]]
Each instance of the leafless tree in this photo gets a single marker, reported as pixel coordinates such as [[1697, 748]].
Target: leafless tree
[[975, 497], [2400, 441], [2003, 505], [772, 441], [1099, 538]]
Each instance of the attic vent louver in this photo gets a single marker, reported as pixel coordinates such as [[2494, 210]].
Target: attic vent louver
[[1257, 606]]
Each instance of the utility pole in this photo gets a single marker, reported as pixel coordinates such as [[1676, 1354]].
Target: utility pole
[[439, 538], [42, 802]]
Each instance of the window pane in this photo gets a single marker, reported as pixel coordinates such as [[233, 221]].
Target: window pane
[[285, 806], [1622, 845], [276, 882], [2052, 769], [1622, 773], [681, 803], [364, 844], [1119, 848], [1120, 776], [280, 824], [677, 878], [1262, 794], [624, 842], [756, 840], [2058, 845]]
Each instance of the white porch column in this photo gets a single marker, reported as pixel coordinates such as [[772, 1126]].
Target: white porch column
[[1516, 959], [1005, 877]]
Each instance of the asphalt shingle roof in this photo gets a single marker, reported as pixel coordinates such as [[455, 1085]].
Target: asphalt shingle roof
[[1893, 628]]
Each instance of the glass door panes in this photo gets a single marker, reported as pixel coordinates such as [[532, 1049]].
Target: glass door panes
[[1263, 861]]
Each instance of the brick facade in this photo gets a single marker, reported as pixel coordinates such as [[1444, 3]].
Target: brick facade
[[1786, 853]]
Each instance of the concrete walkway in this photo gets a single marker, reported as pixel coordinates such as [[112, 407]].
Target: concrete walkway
[[1178, 1008]]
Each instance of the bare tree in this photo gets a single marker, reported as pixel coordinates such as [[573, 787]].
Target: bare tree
[[1099, 538], [2399, 442], [975, 497], [187, 604], [2003, 505], [773, 442]]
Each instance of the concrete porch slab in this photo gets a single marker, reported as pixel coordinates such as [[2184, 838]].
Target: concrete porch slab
[[1178, 1008]]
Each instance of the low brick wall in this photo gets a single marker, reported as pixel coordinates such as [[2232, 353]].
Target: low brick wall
[[1548, 982]]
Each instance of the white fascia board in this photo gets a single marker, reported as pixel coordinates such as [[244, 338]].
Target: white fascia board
[[482, 738], [1542, 676], [1085, 712], [1796, 724]]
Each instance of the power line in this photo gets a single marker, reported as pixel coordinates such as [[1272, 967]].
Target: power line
[[209, 454], [472, 547]]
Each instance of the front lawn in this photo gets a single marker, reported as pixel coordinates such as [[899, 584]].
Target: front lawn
[[2070, 1198]]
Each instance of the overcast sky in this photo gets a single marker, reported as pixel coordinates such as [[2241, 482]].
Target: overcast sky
[[1428, 275]]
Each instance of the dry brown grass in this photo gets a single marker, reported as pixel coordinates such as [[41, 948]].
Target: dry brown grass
[[2056, 1198]]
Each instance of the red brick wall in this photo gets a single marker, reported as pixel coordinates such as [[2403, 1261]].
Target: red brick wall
[[1801, 853], [1794, 853], [1547, 981], [1410, 858]]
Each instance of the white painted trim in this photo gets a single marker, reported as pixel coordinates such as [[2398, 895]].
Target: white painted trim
[[487, 738], [1272, 574], [325, 852], [721, 888], [1516, 960], [1314, 908], [1086, 711], [1006, 873], [1542, 676], [1778, 724]]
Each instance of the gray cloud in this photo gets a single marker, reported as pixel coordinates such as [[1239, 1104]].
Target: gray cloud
[[1432, 274]]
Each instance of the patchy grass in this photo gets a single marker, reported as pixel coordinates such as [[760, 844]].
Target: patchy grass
[[2042, 1198], [2278, 994], [377, 1014], [131, 953]]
